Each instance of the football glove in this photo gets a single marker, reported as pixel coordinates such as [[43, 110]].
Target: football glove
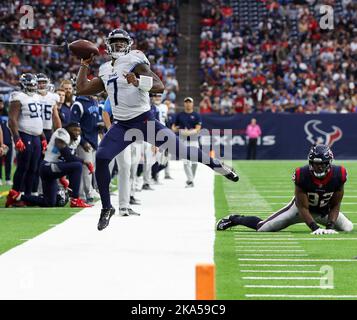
[[64, 182], [324, 231], [20, 146], [330, 231], [44, 145], [90, 167]]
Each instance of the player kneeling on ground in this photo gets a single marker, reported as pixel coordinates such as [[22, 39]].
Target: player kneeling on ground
[[319, 189], [58, 163]]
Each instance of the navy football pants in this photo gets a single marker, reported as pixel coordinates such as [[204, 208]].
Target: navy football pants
[[118, 138], [49, 173], [27, 163]]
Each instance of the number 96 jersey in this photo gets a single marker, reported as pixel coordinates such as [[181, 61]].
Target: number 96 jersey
[[320, 191], [30, 118]]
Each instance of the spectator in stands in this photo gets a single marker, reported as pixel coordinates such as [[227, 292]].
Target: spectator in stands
[[280, 57], [253, 132]]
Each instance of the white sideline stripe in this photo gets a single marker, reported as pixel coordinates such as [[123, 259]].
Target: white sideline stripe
[[280, 271], [256, 242], [300, 239], [283, 278], [287, 287], [272, 255], [300, 296], [278, 265], [151, 257], [268, 246], [344, 203], [271, 250], [300, 260]]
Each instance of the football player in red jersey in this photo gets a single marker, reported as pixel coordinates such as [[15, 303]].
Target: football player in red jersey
[[319, 188]]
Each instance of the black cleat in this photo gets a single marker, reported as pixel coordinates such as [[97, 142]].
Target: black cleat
[[133, 213], [105, 216], [146, 186], [226, 222], [134, 201], [227, 171]]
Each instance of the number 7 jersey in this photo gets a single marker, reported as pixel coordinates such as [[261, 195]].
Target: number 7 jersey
[[30, 120], [320, 191], [127, 101]]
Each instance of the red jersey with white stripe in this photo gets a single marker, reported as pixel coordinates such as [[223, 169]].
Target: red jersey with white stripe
[[320, 191]]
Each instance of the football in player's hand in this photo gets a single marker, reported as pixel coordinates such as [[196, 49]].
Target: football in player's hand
[[83, 49]]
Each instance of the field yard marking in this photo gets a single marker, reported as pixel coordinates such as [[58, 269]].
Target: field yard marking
[[299, 260], [286, 287], [282, 278], [278, 265], [300, 296], [280, 271], [303, 239], [268, 246], [270, 250], [267, 243], [272, 255]]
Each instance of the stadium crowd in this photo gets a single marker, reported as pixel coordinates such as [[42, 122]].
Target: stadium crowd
[[152, 23], [287, 64]]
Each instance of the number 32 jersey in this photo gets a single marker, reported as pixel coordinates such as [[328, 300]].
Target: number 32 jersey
[[127, 101], [320, 191], [30, 120]]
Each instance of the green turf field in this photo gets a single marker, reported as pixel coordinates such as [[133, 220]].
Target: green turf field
[[291, 264], [17, 225]]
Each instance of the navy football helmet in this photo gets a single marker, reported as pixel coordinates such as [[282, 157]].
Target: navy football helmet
[[28, 82], [320, 160], [62, 197], [115, 47]]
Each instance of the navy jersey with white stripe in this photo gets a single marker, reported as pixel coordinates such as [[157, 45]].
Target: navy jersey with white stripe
[[320, 191]]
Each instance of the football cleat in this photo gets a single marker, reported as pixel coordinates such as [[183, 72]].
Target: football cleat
[[132, 212], [124, 212], [13, 197], [79, 203], [146, 186], [168, 177], [134, 201], [227, 171], [189, 184], [104, 219], [226, 222]]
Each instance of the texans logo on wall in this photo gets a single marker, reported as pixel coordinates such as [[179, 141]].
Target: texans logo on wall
[[319, 136]]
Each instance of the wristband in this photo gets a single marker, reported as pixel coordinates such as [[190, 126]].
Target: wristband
[[16, 138], [330, 225], [313, 226], [145, 83]]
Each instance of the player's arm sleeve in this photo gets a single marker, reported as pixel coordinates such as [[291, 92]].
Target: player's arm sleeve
[[108, 107], [68, 156]]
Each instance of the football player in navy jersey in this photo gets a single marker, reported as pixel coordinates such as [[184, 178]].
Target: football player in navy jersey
[[319, 188]]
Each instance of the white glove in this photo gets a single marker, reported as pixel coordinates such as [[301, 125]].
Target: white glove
[[318, 231], [324, 231], [330, 231]]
